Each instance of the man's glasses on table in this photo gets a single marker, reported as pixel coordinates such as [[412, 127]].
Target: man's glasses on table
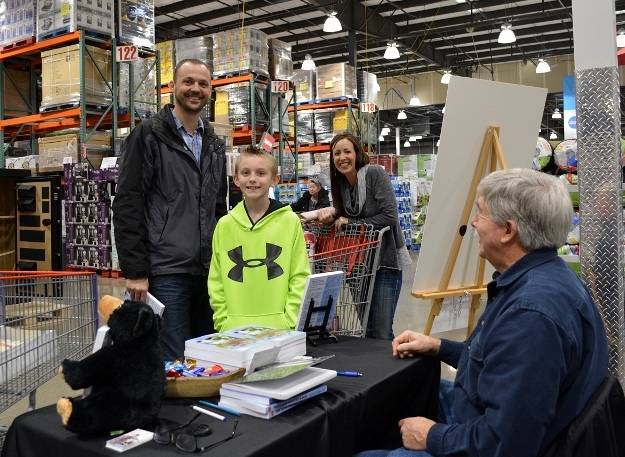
[[185, 436]]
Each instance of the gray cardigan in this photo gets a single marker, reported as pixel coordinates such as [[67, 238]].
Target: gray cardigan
[[380, 210]]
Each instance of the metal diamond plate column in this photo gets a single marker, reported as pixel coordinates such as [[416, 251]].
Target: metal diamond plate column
[[599, 172]]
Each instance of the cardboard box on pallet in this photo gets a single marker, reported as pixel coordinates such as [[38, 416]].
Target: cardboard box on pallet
[[56, 17], [336, 80], [368, 87], [200, 48], [54, 149], [280, 61], [135, 22], [305, 86], [18, 21], [345, 120], [29, 162], [168, 60], [387, 161], [240, 50], [60, 77]]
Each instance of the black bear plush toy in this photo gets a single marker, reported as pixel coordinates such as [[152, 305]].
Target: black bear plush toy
[[127, 378]]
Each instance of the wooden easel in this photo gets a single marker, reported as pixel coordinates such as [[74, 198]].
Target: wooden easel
[[491, 155]]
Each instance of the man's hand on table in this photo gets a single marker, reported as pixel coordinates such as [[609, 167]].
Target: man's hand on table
[[414, 432], [410, 343]]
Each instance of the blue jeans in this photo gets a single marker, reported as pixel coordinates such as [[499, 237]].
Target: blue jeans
[[187, 310], [445, 416], [383, 303]]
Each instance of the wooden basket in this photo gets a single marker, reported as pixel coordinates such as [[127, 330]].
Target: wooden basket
[[201, 386]]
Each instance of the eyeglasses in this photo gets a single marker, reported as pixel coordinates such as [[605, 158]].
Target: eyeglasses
[[184, 436]]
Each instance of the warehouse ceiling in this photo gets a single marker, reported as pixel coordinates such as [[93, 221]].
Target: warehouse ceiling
[[430, 35]]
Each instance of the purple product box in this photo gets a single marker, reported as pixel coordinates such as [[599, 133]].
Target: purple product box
[[104, 212], [80, 256], [89, 234]]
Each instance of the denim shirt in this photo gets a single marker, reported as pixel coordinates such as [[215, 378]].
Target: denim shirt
[[530, 366], [192, 140]]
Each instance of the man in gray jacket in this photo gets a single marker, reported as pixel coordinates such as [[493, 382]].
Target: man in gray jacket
[[171, 191]]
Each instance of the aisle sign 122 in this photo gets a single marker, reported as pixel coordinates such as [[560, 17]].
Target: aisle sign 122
[[367, 107], [127, 53], [279, 87]]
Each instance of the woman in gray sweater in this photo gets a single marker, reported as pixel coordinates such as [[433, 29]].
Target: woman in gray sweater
[[363, 194]]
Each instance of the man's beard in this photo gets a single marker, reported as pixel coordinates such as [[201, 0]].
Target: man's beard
[[180, 102]]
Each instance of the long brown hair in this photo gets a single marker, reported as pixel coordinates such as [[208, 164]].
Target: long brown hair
[[336, 177]]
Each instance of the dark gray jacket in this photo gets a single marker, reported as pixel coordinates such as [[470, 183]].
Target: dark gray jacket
[[166, 206]]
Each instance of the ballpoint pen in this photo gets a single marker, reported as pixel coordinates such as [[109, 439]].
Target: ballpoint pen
[[225, 409], [208, 413], [350, 374]]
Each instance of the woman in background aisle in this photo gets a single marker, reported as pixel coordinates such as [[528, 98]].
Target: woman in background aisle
[[363, 194], [315, 197]]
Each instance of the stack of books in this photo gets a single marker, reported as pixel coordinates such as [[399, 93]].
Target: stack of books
[[247, 347], [268, 398]]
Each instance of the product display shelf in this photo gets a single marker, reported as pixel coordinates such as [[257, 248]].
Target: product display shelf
[[83, 116]]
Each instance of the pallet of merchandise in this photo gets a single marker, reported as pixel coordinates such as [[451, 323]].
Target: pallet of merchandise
[[17, 44]]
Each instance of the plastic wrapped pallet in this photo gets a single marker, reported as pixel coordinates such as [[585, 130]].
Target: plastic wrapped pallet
[[336, 80], [240, 50], [367, 87], [55, 17], [60, 76], [280, 61], [305, 126], [324, 132], [144, 83], [54, 149], [304, 81], [168, 60], [239, 103], [200, 48], [279, 104], [18, 22], [136, 22]]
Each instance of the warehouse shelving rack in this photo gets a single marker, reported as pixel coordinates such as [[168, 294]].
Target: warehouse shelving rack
[[85, 118]]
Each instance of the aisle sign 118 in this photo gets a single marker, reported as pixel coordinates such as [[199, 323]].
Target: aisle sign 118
[[279, 87], [367, 107], [126, 53]]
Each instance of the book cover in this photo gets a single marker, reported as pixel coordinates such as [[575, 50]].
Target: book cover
[[320, 288], [129, 440], [284, 388]]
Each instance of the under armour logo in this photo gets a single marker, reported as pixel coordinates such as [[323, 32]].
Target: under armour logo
[[273, 269]]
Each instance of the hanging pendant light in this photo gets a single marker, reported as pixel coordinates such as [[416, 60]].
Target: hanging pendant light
[[380, 138], [553, 136], [414, 101], [401, 115], [332, 23], [620, 39], [543, 66], [556, 114], [443, 110], [506, 36], [438, 143], [391, 52], [446, 77], [308, 63], [407, 144]]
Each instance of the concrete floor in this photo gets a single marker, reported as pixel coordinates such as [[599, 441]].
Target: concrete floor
[[50, 392]]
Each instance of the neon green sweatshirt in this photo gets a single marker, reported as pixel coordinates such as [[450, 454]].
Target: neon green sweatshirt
[[258, 271]]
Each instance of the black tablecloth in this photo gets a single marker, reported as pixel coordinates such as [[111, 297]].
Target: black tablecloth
[[355, 414]]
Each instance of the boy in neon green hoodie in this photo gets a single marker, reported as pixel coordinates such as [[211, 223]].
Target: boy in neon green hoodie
[[260, 264]]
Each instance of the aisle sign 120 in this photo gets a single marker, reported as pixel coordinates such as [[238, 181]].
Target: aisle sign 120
[[367, 107], [279, 87], [127, 53]]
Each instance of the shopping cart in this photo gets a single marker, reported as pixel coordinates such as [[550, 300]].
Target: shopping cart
[[354, 250], [45, 317]]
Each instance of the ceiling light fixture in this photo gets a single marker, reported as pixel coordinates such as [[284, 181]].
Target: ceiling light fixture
[[506, 36], [415, 137], [308, 63], [332, 23], [542, 66], [446, 77], [556, 114], [620, 39], [415, 101], [553, 136], [407, 144], [385, 131], [401, 115], [461, 1], [380, 138], [443, 110], [438, 143], [391, 52]]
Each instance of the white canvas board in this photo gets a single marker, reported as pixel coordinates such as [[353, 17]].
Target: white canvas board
[[472, 106]]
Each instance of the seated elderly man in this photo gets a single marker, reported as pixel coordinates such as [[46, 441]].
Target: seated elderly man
[[539, 351]]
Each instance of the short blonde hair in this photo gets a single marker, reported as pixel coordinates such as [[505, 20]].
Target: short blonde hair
[[254, 151]]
